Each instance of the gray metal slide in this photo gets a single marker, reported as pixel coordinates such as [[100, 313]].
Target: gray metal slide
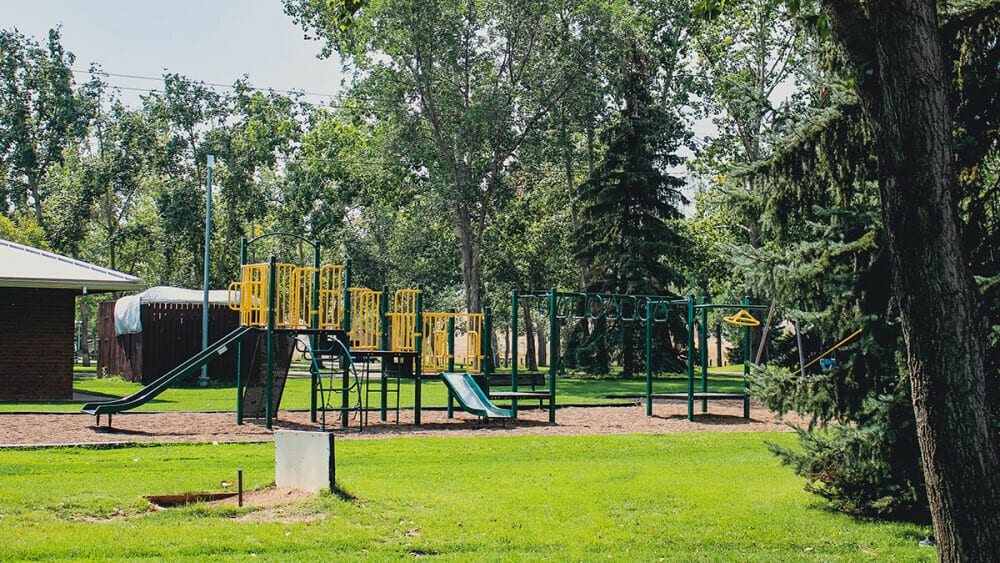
[[471, 397]]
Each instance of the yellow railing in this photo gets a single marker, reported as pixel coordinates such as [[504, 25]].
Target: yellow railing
[[250, 295], [435, 345], [403, 318], [285, 297], [366, 318], [473, 341], [435, 340], [294, 306], [302, 307], [331, 297]]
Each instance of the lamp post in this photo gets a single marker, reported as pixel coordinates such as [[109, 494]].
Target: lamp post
[[203, 378]]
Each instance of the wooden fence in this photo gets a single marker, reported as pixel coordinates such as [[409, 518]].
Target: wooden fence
[[171, 333]]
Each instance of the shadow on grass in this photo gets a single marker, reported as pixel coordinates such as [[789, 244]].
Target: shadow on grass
[[342, 493]]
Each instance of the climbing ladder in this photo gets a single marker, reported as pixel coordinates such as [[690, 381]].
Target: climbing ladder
[[338, 385], [255, 390]]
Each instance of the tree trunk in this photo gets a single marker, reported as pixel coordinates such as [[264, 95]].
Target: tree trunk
[[903, 82], [529, 337], [470, 261], [543, 356], [36, 196], [506, 352], [718, 345]]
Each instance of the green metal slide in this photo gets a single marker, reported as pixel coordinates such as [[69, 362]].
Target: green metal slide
[[147, 393], [471, 397]]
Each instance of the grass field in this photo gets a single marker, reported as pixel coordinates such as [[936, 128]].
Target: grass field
[[705, 496], [569, 390]]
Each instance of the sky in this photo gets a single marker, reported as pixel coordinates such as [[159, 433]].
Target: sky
[[214, 41]]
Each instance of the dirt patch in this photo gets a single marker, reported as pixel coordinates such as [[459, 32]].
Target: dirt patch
[[668, 417], [275, 504]]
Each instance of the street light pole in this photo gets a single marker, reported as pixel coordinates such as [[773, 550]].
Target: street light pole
[[203, 379]]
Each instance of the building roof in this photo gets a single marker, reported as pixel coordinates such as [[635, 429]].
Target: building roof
[[24, 266]]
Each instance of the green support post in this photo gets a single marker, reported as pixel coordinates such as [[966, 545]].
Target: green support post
[[486, 345], [239, 345], [384, 345], [418, 347], [703, 352], [345, 385], [513, 348], [314, 324], [271, 301], [451, 360], [553, 354], [746, 364], [690, 355], [649, 357]]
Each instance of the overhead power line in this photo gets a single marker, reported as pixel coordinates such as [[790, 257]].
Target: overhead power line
[[213, 84]]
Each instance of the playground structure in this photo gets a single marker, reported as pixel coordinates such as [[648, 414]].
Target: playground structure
[[389, 337], [648, 309], [345, 327]]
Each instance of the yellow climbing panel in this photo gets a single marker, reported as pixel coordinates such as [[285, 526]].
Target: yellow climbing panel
[[294, 306], [468, 327]]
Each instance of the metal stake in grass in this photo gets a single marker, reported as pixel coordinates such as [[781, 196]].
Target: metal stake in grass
[[239, 486]]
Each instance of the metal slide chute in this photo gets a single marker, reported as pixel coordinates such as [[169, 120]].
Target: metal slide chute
[[149, 392], [471, 397]]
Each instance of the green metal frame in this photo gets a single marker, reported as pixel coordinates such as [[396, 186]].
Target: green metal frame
[[704, 307], [270, 330], [562, 305], [649, 309]]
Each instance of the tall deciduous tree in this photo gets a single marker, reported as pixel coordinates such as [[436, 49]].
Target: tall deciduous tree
[[469, 81], [40, 116], [901, 74], [185, 111]]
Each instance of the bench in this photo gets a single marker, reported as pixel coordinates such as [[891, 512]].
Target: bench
[[534, 379], [522, 395]]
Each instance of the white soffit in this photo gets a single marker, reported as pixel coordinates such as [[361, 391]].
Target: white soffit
[[25, 266]]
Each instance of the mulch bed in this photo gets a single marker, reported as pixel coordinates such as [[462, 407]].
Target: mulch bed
[[668, 417]]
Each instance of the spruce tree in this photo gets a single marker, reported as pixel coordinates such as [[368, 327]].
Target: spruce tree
[[825, 259], [628, 233]]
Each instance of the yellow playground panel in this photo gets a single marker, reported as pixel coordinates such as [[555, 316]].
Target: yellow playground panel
[[435, 347], [249, 296], [296, 304], [366, 318], [331, 297], [402, 320]]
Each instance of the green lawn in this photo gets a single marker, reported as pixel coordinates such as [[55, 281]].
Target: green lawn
[[705, 496], [569, 390]]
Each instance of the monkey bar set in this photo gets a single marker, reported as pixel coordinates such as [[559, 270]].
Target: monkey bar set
[[649, 309]]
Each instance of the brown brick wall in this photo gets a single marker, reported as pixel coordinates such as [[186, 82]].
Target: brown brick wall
[[36, 344]]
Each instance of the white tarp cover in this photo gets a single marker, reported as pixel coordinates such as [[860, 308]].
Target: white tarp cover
[[127, 308]]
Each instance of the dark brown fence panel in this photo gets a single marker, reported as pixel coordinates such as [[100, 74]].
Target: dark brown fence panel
[[116, 355], [171, 333]]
